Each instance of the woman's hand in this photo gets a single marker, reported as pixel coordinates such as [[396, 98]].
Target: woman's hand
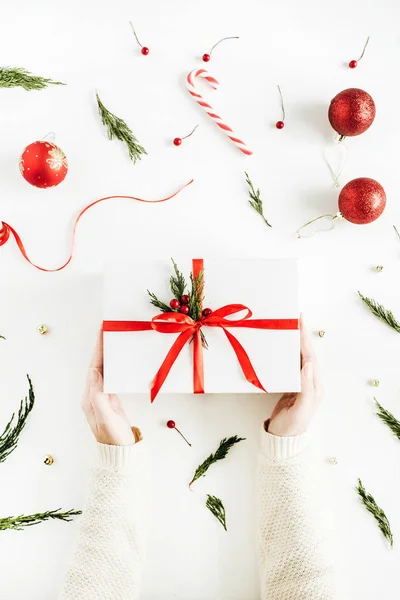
[[294, 412], [104, 412]]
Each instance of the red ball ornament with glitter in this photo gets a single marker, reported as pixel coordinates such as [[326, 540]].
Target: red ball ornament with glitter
[[362, 201], [351, 112], [43, 164]]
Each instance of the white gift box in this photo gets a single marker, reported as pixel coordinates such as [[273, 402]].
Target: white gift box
[[269, 288]]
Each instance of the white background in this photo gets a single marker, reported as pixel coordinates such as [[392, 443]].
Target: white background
[[304, 47]]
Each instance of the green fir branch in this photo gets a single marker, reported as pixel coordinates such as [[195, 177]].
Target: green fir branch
[[196, 296], [389, 419], [2, 337], [376, 511], [18, 523], [10, 436], [224, 446], [256, 201], [215, 505], [117, 128], [158, 303], [177, 283], [19, 77], [381, 312]]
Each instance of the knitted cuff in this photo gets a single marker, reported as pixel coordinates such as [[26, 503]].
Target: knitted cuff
[[117, 458], [279, 448]]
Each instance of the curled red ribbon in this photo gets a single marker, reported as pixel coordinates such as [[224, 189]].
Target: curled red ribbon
[[172, 322], [7, 230]]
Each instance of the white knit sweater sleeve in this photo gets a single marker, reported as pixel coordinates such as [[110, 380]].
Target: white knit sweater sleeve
[[295, 551], [108, 557]]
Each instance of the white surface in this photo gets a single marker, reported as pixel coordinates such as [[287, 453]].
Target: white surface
[[268, 287], [303, 46]]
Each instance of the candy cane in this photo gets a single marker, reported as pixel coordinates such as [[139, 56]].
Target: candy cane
[[190, 81]]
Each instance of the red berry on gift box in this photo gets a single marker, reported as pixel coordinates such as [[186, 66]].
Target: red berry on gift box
[[172, 425], [185, 299], [280, 125], [177, 141], [175, 304], [353, 64], [206, 57], [206, 312], [184, 309], [145, 51]]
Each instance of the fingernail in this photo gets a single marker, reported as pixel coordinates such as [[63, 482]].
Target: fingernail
[[93, 375], [308, 370]]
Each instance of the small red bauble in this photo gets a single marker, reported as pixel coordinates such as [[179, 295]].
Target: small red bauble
[[175, 304], [353, 64], [280, 125], [145, 51], [177, 141], [185, 299], [184, 309], [43, 164], [351, 112], [206, 57], [362, 201], [171, 424], [206, 312]]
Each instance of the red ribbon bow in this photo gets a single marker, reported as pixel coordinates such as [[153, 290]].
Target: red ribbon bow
[[172, 322]]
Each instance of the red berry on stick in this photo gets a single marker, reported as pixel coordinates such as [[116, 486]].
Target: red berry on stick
[[144, 50], [206, 312], [184, 309], [354, 63], [178, 140], [172, 425], [175, 304], [207, 57], [185, 299], [281, 124]]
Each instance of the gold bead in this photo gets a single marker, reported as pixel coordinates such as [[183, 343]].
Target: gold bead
[[43, 329], [321, 333], [48, 460], [375, 382], [333, 460], [379, 268]]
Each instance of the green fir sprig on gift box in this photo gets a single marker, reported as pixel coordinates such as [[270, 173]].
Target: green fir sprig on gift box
[[10, 436], [256, 201], [371, 505], [177, 282], [22, 521], [215, 505], [117, 128], [389, 419], [19, 77], [2, 337], [224, 446], [381, 312]]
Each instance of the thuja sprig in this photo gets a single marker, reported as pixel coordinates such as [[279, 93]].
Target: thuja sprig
[[18, 523], [177, 282], [224, 446], [117, 128], [389, 419], [381, 312], [371, 505], [10, 436], [196, 296], [215, 505], [158, 303], [256, 201], [19, 77], [2, 337]]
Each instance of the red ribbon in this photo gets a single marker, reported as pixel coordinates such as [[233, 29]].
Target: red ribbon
[[172, 322], [6, 230]]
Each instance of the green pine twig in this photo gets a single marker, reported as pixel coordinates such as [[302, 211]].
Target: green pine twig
[[376, 511], [215, 505], [18, 523], [224, 446], [117, 128], [10, 436], [196, 295], [158, 303], [256, 201], [19, 77], [177, 282], [381, 312], [2, 337], [389, 419]]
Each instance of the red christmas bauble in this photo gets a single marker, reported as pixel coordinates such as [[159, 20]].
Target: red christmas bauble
[[351, 112], [43, 164], [362, 200]]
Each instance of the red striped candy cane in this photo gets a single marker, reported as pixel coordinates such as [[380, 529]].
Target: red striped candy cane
[[190, 81]]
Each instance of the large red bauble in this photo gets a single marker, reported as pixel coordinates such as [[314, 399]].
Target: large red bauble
[[43, 164], [362, 200], [351, 112]]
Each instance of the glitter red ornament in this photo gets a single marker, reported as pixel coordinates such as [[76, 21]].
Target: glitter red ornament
[[362, 201], [174, 303], [43, 164], [172, 425], [351, 112]]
